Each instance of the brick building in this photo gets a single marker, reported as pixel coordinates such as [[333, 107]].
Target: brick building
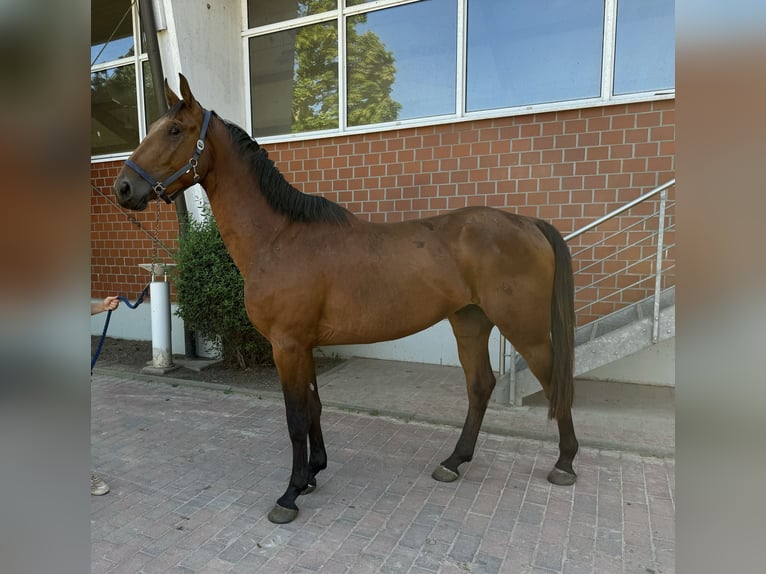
[[597, 130]]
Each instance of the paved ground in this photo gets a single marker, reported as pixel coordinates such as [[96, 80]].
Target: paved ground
[[194, 472]]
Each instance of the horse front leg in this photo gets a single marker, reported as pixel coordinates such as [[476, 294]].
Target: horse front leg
[[317, 452], [303, 410]]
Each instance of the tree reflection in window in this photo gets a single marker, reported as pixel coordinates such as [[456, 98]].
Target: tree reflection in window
[[371, 76], [113, 110], [315, 85], [294, 75]]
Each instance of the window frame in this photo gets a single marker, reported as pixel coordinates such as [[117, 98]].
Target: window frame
[[340, 14], [138, 60]]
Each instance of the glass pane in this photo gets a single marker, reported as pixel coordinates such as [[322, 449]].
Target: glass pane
[[522, 52], [113, 110], [151, 103], [262, 12], [294, 80], [645, 50], [401, 62], [107, 17]]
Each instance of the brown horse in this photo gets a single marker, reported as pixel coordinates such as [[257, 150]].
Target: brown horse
[[315, 274]]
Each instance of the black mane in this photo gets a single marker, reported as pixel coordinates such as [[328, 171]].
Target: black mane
[[281, 196]]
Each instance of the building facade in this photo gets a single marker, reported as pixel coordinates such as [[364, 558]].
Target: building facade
[[399, 110]]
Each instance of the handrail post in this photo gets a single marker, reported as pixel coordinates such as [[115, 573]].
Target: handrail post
[[514, 397], [658, 270], [507, 395], [503, 343], [503, 396]]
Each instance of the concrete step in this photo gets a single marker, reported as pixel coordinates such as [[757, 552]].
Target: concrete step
[[622, 317]]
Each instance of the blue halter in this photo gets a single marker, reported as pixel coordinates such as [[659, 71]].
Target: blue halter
[[160, 187]]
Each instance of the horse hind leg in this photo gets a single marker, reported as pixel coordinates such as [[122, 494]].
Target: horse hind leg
[[539, 360], [471, 328]]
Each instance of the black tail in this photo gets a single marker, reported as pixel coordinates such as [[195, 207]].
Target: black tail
[[562, 325]]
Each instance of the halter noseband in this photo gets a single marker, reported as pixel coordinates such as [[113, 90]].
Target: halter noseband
[[191, 165]]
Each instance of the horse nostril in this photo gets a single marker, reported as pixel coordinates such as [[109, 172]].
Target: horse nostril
[[123, 189]]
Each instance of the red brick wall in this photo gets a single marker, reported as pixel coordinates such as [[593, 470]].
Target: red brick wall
[[121, 239], [568, 167]]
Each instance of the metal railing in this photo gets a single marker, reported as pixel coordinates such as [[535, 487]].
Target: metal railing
[[652, 244]]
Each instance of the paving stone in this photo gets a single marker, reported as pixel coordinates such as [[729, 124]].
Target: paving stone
[[190, 494]]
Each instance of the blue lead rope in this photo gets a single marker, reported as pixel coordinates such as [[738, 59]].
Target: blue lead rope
[[109, 316]]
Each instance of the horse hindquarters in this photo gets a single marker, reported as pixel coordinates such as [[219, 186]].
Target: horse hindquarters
[[542, 331]]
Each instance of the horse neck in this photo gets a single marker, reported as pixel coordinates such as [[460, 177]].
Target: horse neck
[[244, 218]]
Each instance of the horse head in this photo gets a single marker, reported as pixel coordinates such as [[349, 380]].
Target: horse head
[[170, 158]]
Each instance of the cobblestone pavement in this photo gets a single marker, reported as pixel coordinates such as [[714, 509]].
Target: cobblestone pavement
[[194, 472]]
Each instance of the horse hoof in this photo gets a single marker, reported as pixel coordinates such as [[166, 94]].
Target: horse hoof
[[443, 474], [281, 515], [311, 487], [561, 477]]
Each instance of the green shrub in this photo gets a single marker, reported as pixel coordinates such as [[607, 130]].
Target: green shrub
[[211, 295]]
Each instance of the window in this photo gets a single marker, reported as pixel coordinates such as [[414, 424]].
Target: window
[[319, 66], [386, 54], [294, 75], [521, 52], [645, 45], [121, 87]]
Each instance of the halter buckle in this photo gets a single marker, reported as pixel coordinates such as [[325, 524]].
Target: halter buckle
[[193, 166], [159, 191]]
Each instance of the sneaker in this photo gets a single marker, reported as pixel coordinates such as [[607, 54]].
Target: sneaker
[[98, 486]]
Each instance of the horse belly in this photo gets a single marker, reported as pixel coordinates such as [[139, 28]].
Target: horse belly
[[375, 310]]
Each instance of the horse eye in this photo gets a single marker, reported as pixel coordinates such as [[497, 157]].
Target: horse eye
[[174, 130]]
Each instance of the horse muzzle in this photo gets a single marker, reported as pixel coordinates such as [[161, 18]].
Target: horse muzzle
[[131, 193]]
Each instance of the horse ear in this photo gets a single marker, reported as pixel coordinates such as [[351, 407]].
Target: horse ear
[[170, 97], [186, 91]]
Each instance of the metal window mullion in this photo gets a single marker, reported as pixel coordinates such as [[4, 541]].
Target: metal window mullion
[[461, 62], [248, 84], [291, 24], [608, 49], [342, 74], [372, 6], [141, 98], [111, 64], [139, 68]]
